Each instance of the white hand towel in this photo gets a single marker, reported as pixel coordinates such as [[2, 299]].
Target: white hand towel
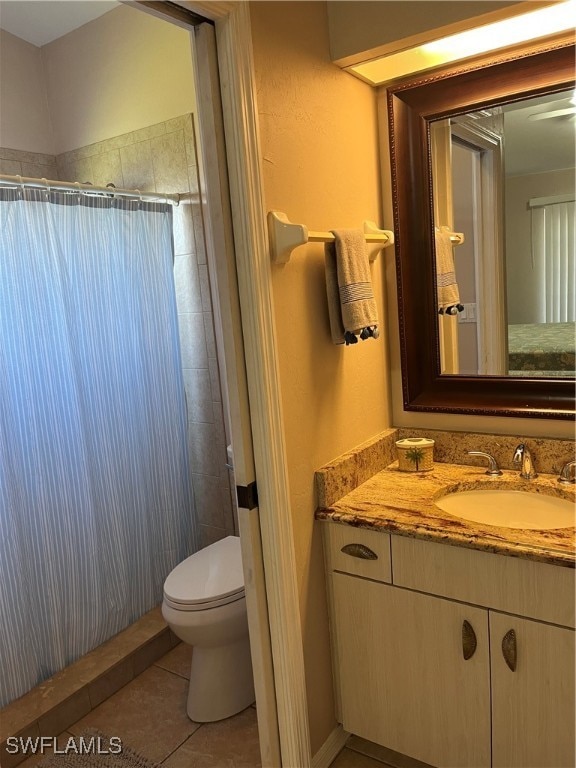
[[448, 293], [351, 303]]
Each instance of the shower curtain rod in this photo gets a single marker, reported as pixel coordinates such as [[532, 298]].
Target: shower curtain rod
[[66, 186]]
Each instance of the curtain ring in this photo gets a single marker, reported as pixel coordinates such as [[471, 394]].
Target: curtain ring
[[47, 188], [112, 197], [79, 189], [20, 187]]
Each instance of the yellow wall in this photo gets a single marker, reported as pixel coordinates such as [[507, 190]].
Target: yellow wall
[[320, 161], [320, 166], [126, 65], [24, 117]]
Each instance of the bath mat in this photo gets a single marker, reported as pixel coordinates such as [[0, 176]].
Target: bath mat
[[93, 749]]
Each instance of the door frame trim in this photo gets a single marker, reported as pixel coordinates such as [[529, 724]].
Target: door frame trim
[[253, 265], [238, 90]]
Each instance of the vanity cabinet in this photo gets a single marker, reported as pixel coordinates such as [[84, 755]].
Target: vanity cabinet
[[404, 682], [458, 657], [533, 706]]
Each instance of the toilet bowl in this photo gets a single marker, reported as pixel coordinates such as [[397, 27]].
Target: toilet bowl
[[205, 606]]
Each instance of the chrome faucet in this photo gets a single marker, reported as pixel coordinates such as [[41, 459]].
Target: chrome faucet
[[493, 468], [523, 457], [568, 473]]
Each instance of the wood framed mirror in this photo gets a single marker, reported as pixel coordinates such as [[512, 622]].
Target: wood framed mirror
[[415, 107]]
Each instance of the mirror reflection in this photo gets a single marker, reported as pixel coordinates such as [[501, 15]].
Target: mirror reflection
[[504, 210]]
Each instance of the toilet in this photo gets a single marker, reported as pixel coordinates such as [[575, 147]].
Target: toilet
[[205, 606]]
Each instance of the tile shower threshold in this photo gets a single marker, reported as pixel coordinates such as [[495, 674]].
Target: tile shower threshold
[[56, 703]]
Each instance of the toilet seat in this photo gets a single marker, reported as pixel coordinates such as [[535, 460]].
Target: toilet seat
[[207, 579], [203, 606]]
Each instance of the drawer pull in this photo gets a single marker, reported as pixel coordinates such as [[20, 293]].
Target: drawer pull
[[359, 550], [509, 650], [469, 642]]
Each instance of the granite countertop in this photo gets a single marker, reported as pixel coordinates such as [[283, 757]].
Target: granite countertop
[[403, 503]]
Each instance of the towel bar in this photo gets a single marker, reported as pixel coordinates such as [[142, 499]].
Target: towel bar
[[285, 236], [456, 238]]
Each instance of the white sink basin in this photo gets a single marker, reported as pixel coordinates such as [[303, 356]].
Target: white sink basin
[[510, 509]]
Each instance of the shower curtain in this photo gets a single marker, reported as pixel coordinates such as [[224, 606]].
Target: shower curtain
[[96, 505]]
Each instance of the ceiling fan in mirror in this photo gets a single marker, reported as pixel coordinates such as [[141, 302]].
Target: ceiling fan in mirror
[[563, 108]]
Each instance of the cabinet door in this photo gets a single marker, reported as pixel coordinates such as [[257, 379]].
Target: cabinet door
[[404, 681], [533, 706]]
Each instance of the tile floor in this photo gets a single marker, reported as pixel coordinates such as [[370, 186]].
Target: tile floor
[[149, 716], [349, 758]]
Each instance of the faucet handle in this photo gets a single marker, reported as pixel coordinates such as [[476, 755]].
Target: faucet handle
[[523, 457], [568, 473], [519, 453], [493, 468]]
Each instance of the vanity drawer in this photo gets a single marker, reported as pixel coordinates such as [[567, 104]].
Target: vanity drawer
[[357, 551], [510, 584]]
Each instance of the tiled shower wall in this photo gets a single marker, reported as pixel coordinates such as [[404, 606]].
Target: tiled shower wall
[[15, 162], [162, 158]]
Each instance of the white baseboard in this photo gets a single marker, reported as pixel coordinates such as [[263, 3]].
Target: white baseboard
[[331, 747]]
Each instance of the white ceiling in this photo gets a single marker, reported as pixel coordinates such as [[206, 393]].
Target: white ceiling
[[541, 145], [42, 21], [533, 146]]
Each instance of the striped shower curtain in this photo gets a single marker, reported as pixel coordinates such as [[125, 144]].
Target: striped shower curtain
[[96, 505]]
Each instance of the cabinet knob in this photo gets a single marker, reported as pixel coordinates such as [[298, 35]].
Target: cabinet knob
[[509, 650], [469, 641], [359, 550]]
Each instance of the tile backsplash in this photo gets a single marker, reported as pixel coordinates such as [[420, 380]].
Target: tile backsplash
[[550, 454], [350, 470], [345, 473]]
